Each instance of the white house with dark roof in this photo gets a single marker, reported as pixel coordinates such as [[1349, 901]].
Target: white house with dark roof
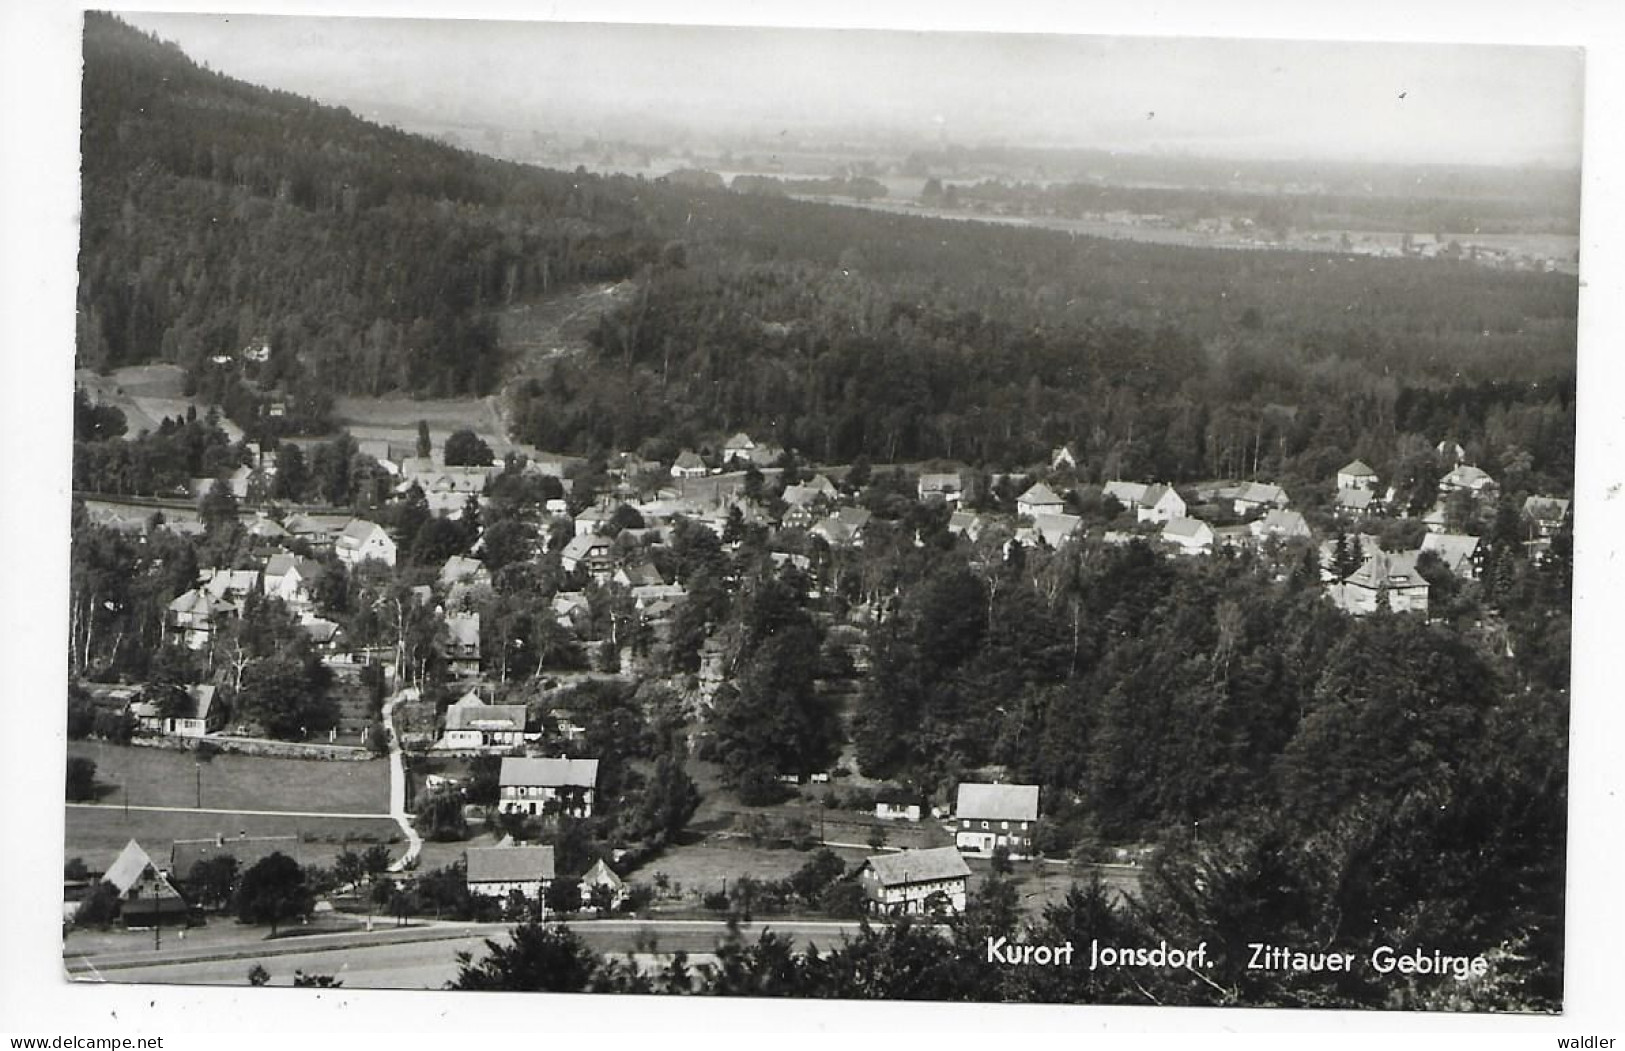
[[1039, 499], [992, 816], [496, 872], [589, 553], [1356, 474], [1160, 504], [527, 786], [363, 541], [914, 882]]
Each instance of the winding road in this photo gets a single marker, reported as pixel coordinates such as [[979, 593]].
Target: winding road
[[397, 783]]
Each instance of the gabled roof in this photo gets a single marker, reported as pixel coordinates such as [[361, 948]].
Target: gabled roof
[[549, 773], [1038, 493], [1261, 493], [1189, 528], [127, 869], [509, 864], [1466, 476], [689, 460], [602, 875], [641, 574], [1286, 523], [580, 547], [1156, 494], [941, 481], [822, 484], [358, 531], [1055, 528], [281, 564], [1001, 802], [222, 582], [739, 441], [198, 601], [918, 866], [1358, 468]]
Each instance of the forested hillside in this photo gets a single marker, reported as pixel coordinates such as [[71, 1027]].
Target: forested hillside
[[842, 332], [218, 216]]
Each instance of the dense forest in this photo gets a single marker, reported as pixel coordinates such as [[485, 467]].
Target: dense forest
[[220, 216]]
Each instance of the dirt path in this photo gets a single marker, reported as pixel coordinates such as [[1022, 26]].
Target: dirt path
[[397, 784]]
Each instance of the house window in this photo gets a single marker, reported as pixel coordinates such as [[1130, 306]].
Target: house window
[[984, 824], [1004, 825]]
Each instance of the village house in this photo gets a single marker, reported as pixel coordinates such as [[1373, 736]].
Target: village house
[[462, 650], [1283, 525], [737, 449], [527, 786], [460, 569], [1064, 457], [319, 531], [1461, 554], [1250, 497], [993, 816], [230, 585], [1383, 577], [615, 892], [914, 882], [844, 528], [1190, 536], [1159, 504], [363, 541], [193, 617], [1356, 475], [802, 505], [1039, 499], [204, 716], [689, 465], [472, 723], [1051, 530], [291, 579], [892, 811], [1353, 502], [146, 896], [637, 575], [1545, 515], [589, 554], [262, 528], [967, 524], [496, 872], [949, 487], [593, 520], [1469, 479], [1129, 494]]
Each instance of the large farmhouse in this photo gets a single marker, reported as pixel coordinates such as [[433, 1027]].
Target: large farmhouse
[[993, 816]]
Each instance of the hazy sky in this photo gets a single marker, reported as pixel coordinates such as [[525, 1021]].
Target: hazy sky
[[1410, 102]]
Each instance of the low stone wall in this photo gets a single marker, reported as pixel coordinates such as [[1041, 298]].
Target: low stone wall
[[257, 746]]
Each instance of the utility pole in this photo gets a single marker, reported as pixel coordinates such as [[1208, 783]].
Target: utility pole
[[197, 768], [157, 925]]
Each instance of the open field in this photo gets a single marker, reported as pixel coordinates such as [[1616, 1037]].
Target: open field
[[395, 419], [161, 777], [145, 394], [98, 834], [703, 867]]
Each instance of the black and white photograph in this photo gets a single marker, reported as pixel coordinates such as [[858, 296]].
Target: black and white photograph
[[652, 509]]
